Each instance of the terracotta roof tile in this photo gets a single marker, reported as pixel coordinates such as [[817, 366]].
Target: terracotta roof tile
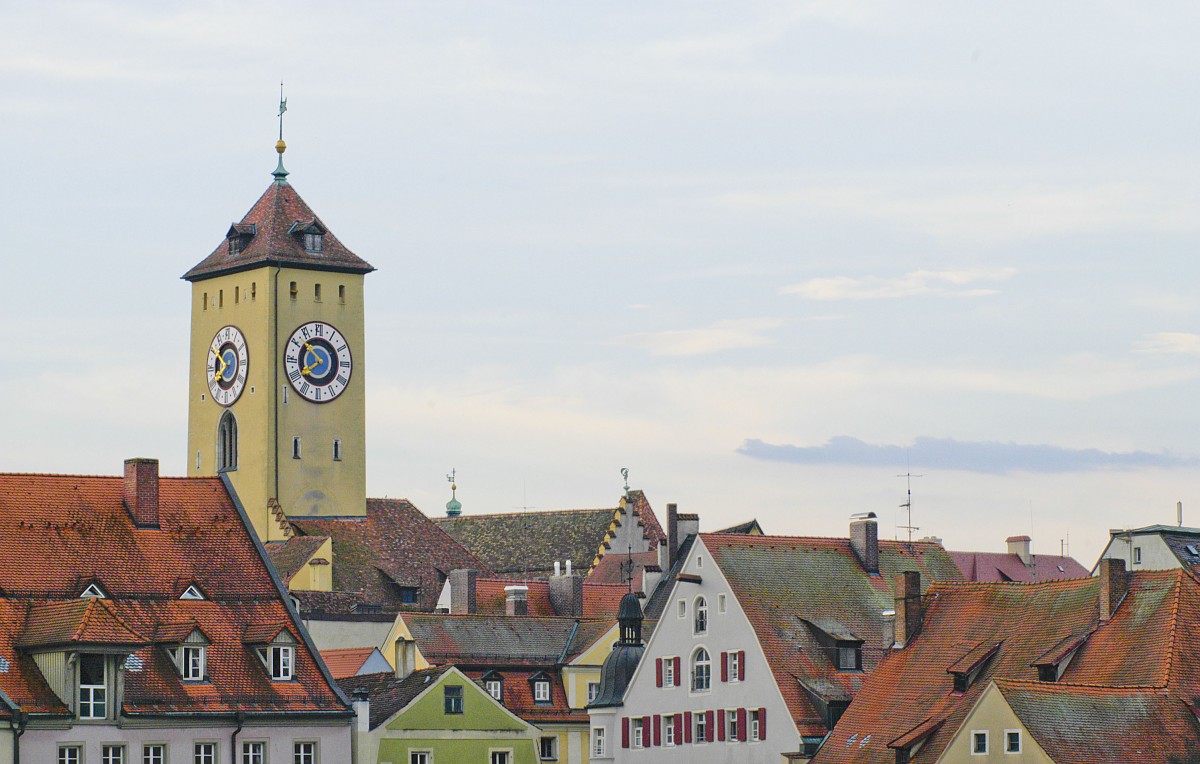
[[1143, 647], [345, 662], [89, 621], [994, 567], [273, 241], [527, 544], [481, 640], [388, 694], [393, 546], [289, 557], [517, 695]]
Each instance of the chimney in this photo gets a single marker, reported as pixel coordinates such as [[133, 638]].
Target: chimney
[[557, 568], [462, 592], [516, 600], [651, 575], [1179, 513], [362, 709], [908, 607], [1019, 545], [406, 657], [889, 629], [672, 534], [1114, 585], [141, 491], [566, 596], [568, 567], [664, 556], [864, 540]]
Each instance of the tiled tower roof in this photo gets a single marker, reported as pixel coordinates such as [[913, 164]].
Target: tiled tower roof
[[272, 233]]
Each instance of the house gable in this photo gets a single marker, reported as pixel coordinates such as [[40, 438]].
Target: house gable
[[480, 711], [992, 715]]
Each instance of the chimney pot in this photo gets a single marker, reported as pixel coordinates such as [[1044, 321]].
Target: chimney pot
[[908, 607], [557, 568], [462, 592], [516, 600], [864, 540], [568, 567], [141, 491], [1019, 545], [672, 535], [1114, 585]]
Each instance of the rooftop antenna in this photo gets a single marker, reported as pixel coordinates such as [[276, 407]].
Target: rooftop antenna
[[280, 147], [524, 499], [907, 507]]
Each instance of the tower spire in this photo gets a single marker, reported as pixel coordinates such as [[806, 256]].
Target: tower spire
[[280, 147]]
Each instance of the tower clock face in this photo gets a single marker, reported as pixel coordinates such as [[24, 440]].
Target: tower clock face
[[318, 362], [228, 364]]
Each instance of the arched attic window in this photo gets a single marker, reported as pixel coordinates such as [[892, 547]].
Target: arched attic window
[[227, 442]]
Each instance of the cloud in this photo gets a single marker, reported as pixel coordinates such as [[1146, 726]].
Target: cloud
[[723, 335], [950, 454], [1170, 343], [950, 283]]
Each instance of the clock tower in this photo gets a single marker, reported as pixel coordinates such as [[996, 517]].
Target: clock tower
[[276, 395]]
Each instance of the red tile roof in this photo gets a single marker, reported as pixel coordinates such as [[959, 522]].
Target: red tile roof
[[825, 582], [1147, 647], [614, 566], [273, 241], [517, 695], [346, 661], [994, 567], [67, 529], [393, 546], [289, 557]]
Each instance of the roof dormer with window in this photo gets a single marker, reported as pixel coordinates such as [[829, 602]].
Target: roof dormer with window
[[836, 641], [968, 668], [276, 650], [311, 235], [186, 645], [239, 236]]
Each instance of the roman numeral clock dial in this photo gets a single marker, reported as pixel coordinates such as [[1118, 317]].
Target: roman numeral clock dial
[[318, 362], [228, 364]]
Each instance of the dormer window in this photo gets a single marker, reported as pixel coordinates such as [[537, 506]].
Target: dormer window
[[239, 237], [969, 667], [276, 650], [192, 662], [541, 689], [313, 242], [192, 593], [311, 234], [493, 683], [279, 662], [839, 643], [93, 686], [93, 590], [187, 646]]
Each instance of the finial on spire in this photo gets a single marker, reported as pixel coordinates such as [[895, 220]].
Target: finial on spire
[[454, 506], [625, 475], [280, 147]]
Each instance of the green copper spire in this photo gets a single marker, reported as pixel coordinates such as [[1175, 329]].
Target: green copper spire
[[280, 173], [454, 506]]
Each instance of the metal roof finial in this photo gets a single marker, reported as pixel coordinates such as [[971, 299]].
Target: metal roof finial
[[454, 506], [625, 475], [280, 147]]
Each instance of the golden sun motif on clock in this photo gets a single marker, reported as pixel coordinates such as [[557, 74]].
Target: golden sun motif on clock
[[228, 365], [318, 362]]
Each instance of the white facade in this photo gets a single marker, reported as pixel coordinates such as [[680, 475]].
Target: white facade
[[741, 698]]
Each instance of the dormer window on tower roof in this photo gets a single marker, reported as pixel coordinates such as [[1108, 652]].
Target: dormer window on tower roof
[[239, 237], [311, 234]]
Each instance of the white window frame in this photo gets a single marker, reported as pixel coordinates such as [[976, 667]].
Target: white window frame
[[695, 665], [70, 753], [541, 691], [700, 617], [495, 688], [420, 757], [205, 752], [253, 752], [668, 723], [553, 739], [113, 753], [986, 742], [699, 727], [500, 756], [1137, 555], [93, 691], [193, 662], [154, 753], [752, 719], [636, 738], [721, 604], [668, 672], [302, 756], [1020, 741], [599, 742], [593, 691], [683, 608], [734, 666], [731, 726], [281, 662]]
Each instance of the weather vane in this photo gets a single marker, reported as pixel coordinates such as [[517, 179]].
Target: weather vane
[[625, 475], [280, 147], [282, 109], [450, 479]]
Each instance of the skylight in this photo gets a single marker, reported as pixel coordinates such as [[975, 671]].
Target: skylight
[[1192, 550], [191, 593]]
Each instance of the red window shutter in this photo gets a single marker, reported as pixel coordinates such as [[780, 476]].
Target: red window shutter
[[658, 670], [741, 722], [687, 726], [657, 729], [646, 731], [741, 665], [724, 667], [679, 733], [625, 732], [678, 681], [762, 724], [720, 723], [709, 731]]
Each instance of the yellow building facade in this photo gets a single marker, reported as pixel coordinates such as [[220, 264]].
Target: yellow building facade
[[276, 393]]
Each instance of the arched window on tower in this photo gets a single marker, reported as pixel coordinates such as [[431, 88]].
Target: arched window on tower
[[227, 442]]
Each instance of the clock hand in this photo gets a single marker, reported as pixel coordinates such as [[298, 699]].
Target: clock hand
[[221, 371]]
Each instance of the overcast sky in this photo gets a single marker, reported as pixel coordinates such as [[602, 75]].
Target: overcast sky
[[768, 256]]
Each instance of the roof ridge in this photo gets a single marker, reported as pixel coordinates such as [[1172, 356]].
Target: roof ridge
[[1174, 637], [748, 539], [989, 584], [1038, 684], [529, 512]]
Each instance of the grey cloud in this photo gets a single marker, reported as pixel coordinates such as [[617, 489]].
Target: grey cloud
[[946, 453]]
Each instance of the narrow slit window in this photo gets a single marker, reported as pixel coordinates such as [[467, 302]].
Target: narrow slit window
[[342, 293], [220, 298], [293, 290], [237, 295], [337, 449], [253, 290], [296, 447], [204, 302], [317, 292]]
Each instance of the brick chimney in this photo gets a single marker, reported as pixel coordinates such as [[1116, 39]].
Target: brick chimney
[[462, 592], [1019, 545], [1114, 585], [908, 607], [141, 491], [672, 534], [864, 540], [566, 595], [516, 600]]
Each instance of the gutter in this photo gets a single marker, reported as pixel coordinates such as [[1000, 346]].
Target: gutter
[[240, 718], [285, 597], [17, 724]]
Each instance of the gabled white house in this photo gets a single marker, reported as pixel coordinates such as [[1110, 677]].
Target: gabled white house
[[763, 644]]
